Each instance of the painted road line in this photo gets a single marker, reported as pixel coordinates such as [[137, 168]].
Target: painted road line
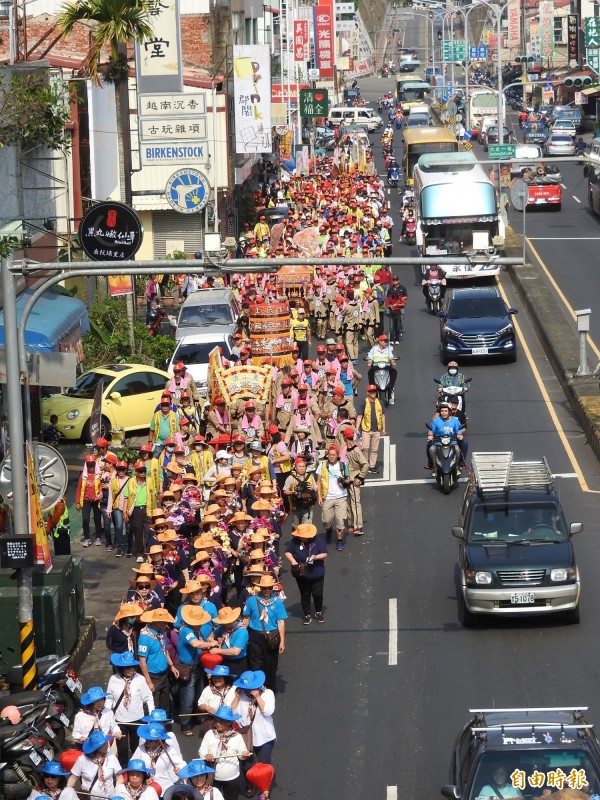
[[548, 403], [561, 294], [392, 463], [563, 186], [577, 200], [391, 793], [564, 239], [393, 634]]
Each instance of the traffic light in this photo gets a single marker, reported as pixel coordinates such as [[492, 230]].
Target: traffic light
[[439, 35], [524, 59], [578, 82]]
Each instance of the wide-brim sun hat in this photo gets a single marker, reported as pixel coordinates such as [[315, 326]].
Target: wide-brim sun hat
[[225, 714], [194, 769], [136, 765], [152, 732], [250, 681], [305, 531], [182, 788], [95, 740], [125, 659]]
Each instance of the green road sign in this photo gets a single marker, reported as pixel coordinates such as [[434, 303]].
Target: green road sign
[[447, 50], [502, 150], [460, 50], [314, 102], [592, 55]]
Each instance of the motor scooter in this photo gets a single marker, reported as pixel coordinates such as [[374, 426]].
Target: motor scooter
[[434, 295], [446, 461], [410, 231], [446, 393], [393, 175], [381, 375]]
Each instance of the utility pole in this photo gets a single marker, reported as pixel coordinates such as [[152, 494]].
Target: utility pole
[[18, 473]]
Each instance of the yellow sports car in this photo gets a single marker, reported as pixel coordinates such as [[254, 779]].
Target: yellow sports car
[[130, 395]]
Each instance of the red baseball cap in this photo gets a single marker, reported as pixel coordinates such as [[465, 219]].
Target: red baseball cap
[[382, 338], [349, 433], [180, 366], [339, 391], [371, 388], [102, 442]]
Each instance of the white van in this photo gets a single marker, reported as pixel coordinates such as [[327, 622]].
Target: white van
[[365, 117]]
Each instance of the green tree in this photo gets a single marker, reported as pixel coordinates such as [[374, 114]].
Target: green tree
[[118, 23], [115, 25]]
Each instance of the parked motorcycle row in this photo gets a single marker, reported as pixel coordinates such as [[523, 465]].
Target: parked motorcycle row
[[33, 725]]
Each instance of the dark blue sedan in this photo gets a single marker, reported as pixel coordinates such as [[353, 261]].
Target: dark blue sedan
[[476, 322]]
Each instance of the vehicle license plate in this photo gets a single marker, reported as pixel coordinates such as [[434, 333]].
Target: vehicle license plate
[[65, 720], [480, 351], [74, 685], [522, 598], [37, 759], [49, 731]]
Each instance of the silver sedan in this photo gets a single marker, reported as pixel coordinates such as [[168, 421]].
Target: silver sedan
[[559, 144]]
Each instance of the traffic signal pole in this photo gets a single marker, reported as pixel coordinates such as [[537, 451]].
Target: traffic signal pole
[[18, 473]]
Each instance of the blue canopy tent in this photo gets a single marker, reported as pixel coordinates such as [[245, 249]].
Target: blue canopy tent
[[52, 319]]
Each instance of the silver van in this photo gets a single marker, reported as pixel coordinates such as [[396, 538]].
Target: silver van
[[365, 117], [208, 310]]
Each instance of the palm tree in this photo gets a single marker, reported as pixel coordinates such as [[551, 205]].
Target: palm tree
[[115, 24]]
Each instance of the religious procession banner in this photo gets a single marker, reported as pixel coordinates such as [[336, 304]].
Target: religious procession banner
[[270, 333], [245, 383], [294, 280]]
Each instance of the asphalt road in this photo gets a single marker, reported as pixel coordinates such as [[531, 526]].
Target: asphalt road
[[373, 699]]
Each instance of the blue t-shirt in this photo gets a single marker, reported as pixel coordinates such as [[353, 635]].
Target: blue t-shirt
[[236, 638], [205, 605], [347, 382], [153, 647], [275, 611], [185, 652], [448, 427]]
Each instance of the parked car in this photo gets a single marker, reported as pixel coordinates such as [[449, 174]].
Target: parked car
[[477, 322], [130, 394], [559, 144], [194, 351]]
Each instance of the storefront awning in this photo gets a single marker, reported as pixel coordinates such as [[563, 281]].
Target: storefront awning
[[591, 90], [54, 318]]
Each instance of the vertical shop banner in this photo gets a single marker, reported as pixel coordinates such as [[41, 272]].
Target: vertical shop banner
[[514, 23], [572, 41], [36, 516], [301, 41], [546, 22], [159, 65], [96, 415], [324, 18], [252, 98]]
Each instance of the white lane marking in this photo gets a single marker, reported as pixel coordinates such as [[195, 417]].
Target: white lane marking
[[563, 186], [564, 239], [393, 635], [391, 793], [392, 463], [577, 200]]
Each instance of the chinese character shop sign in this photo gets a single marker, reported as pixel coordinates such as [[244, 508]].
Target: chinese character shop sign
[[324, 38], [572, 41], [592, 32], [158, 59], [314, 102], [252, 98], [301, 40], [110, 232], [546, 18]]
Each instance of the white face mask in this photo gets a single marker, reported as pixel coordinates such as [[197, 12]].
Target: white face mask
[[453, 371]]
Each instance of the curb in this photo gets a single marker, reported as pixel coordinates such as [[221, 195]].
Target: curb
[[83, 645], [558, 335]]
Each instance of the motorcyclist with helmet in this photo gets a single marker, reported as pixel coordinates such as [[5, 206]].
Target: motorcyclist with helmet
[[407, 213], [382, 353], [434, 273], [580, 146], [443, 425], [452, 377]]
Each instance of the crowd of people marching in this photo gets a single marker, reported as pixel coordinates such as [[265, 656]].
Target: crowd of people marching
[[221, 500]]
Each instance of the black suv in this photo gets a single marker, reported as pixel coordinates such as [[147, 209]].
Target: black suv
[[515, 554], [521, 752]]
